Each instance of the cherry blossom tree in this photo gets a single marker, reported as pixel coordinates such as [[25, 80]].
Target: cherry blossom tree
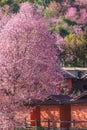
[[79, 16], [5, 16], [71, 13], [83, 16], [28, 63]]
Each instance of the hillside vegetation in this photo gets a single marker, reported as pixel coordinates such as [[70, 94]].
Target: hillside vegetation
[[67, 21]]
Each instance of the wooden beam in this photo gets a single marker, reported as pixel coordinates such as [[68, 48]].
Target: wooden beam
[[75, 68]]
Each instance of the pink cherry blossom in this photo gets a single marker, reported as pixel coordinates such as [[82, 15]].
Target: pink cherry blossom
[[28, 63]]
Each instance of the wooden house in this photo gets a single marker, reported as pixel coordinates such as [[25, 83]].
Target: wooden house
[[76, 79], [61, 111]]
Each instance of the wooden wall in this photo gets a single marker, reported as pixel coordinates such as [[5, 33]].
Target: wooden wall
[[79, 113], [50, 112], [75, 112]]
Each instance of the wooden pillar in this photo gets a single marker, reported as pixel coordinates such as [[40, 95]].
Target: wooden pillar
[[65, 115], [69, 84], [35, 116]]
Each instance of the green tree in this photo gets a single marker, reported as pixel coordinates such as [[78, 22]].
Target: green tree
[[75, 50]]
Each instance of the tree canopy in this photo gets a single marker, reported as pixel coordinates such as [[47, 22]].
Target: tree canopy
[[27, 62], [76, 50]]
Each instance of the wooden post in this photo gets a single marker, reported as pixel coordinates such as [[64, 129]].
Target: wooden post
[[25, 123], [35, 116], [65, 116], [53, 124], [48, 124], [74, 123], [69, 83], [36, 124]]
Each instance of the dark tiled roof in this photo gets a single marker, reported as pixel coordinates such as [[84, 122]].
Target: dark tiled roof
[[82, 98], [50, 100], [59, 100], [80, 101], [56, 97], [84, 76], [32, 102], [68, 74]]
